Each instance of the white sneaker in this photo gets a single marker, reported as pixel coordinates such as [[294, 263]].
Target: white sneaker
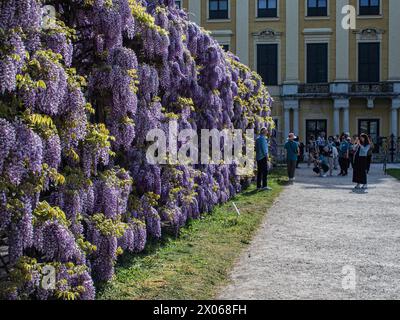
[[266, 189], [365, 187]]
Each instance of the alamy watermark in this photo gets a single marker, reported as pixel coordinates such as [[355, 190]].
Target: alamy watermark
[[48, 17], [230, 147], [48, 281], [349, 280], [350, 16]]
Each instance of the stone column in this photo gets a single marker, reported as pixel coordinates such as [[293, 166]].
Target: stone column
[[287, 123], [346, 120], [395, 117], [242, 30], [394, 40], [341, 103], [292, 41], [296, 127], [342, 44], [194, 9], [336, 121], [291, 104]]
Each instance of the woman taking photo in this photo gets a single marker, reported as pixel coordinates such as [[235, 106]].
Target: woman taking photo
[[361, 149]]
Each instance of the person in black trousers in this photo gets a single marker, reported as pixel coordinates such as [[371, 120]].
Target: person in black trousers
[[362, 147], [344, 155], [262, 160], [369, 157], [300, 158], [351, 152]]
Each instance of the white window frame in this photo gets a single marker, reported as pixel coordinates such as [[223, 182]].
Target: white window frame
[[276, 41], [223, 37], [379, 16], [380, 56], [321, 36], [218, 20], [327, 17], [277, 128], [278, 7], [315, 117], [181, 3]]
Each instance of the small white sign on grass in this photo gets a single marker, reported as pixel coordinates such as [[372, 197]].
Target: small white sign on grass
[[236, 208]]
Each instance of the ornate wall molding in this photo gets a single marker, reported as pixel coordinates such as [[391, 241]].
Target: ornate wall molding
[[267, 34], [369, 34]]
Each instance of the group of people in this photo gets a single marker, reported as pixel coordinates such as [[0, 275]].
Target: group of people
[[326, 155], [344, 151]]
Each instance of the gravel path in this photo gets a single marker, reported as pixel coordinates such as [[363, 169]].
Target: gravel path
[[318, 236]]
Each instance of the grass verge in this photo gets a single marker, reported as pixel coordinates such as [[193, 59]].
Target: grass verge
[[196, 264], [394, 173]]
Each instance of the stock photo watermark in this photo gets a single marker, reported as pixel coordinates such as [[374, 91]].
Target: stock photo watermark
[[349, 19], [48, 17], [217, 147], [49, 277], [349, 280]]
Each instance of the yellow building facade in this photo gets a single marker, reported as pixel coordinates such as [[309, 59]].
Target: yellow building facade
[[331, 65]]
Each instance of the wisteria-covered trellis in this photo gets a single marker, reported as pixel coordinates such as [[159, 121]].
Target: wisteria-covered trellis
[[78, 95]]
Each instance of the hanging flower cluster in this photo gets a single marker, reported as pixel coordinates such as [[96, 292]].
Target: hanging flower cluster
[[77, 99]]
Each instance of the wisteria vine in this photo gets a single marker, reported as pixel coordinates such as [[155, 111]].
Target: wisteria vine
[[78, 95]]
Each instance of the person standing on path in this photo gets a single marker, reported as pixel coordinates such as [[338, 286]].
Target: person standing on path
[[370, 153], [361, 149], [336, 145], [312, 150], [300, 158], [262, 160], [344, 155], [321, 141], [292, 152], [329, 153]]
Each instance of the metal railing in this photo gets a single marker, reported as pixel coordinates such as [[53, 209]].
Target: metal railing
[[314, 88], [371, 88], [317, 90]]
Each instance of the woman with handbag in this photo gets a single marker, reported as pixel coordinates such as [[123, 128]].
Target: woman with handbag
[[361, 149]]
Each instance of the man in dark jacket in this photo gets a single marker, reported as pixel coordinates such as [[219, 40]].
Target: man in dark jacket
[[262, 160], [292, 151]]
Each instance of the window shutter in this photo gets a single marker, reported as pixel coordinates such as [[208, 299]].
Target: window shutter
[[267, 63], [317, 63], [369, 62]]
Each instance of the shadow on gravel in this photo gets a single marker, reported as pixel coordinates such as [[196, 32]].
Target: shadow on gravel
[[283, 182], [310, 181]]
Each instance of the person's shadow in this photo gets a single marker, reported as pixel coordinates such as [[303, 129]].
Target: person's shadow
[[359, 191]]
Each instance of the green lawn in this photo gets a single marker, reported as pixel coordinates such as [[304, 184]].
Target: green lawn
[[394, 173], [196, 264]]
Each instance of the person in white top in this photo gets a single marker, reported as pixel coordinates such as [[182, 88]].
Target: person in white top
[[361, 150]]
